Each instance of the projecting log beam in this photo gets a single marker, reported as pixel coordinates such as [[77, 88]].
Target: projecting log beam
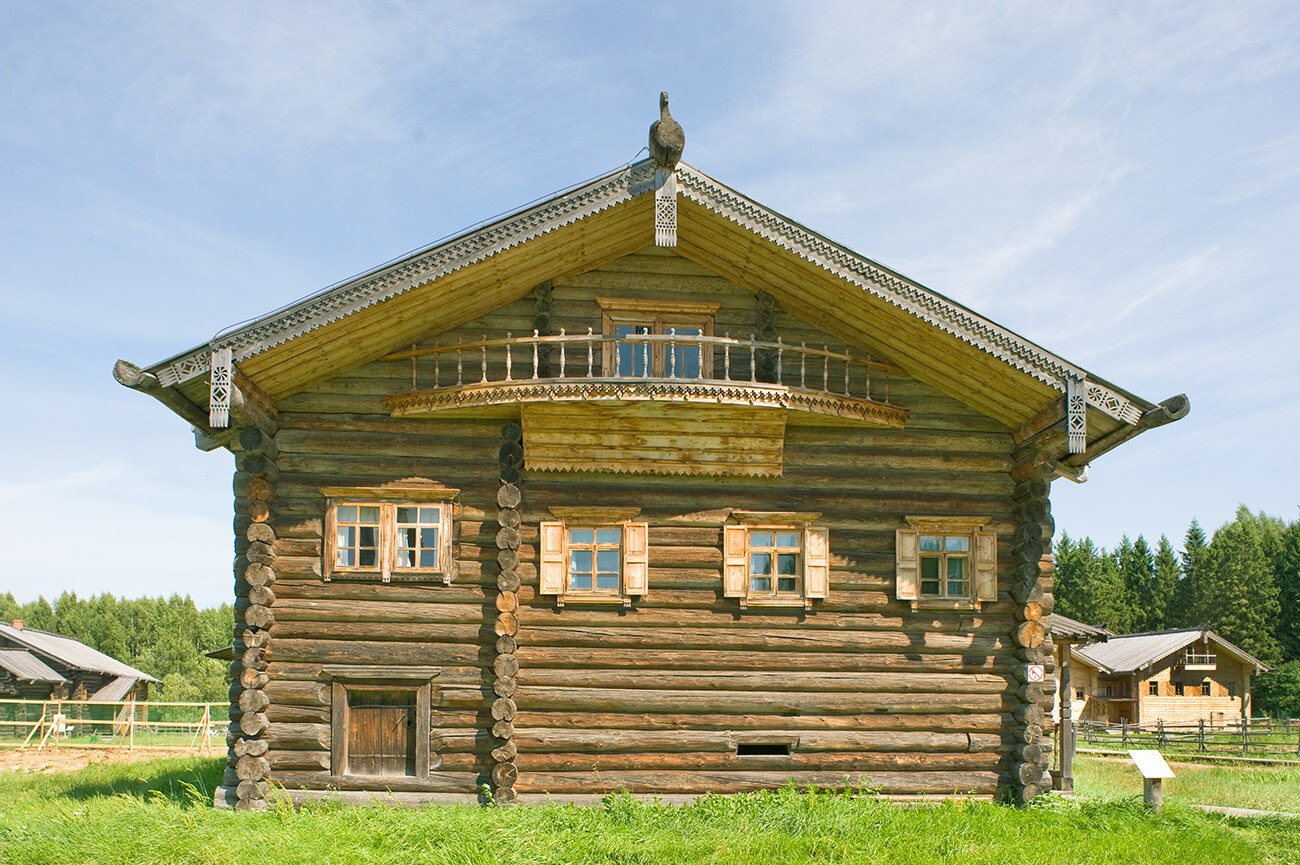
[[1173, 409], [132, 376]]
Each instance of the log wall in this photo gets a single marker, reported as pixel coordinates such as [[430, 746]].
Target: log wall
[[535, 699]]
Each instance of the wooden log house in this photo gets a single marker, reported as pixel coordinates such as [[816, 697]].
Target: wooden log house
[[645, 487]]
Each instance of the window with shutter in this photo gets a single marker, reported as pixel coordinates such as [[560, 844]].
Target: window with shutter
[[946, 562], [594, 555], [775, 559], [388, 533]]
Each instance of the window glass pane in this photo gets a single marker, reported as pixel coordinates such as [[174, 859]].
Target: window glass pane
[[580, 581], [580, 536], [428, 558], [787, 563], [408, 538], [931, 543], [607, 581], [786, 584], [345, 558], [347, 536], [609, 535], [408, 515], [430, 516], [368, 514], [633, 358], [956, 568], [787, 539], [580, 561], [369, 536], [685, 359], [956, 590], [347, 513], [607, 561], [929, 587], [367, 558], [760, 539], [429, 537], [760, 563], [406, 558], [958, 543], [929, 569], [760, 584]]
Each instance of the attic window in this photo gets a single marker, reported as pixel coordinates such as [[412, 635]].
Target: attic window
[[628, 318]]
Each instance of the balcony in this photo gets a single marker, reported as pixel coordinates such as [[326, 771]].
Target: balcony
[[827, 386], [1200, 660]]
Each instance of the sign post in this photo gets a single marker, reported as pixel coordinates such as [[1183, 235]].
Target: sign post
[[1154, 769]]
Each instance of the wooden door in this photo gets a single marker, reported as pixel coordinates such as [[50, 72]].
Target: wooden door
[[381, 732]]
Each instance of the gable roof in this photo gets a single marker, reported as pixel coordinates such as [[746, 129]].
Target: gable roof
[[1130, 653], [1063, 628], [114, 690], [939, 341], [70, 652], [27, 667]]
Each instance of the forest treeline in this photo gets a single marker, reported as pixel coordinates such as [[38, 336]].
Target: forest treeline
[[1243, 583], [164, 637]]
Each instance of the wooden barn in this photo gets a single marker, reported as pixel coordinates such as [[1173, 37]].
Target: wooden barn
[[1180, 676], [645, 487], [38, 665]]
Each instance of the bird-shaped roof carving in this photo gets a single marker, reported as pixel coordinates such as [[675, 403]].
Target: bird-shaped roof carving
[[667, 139]]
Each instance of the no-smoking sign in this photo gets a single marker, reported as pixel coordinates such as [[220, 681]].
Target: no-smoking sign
[[1035, 673]]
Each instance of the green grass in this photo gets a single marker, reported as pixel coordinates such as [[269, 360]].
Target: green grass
[[1265, 787], [160, 811]]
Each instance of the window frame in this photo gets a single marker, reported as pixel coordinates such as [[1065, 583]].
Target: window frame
[[555, 547], [982, 555], [661, 316], [348, 678], [1153, 688], [813, 570], [388, 499]]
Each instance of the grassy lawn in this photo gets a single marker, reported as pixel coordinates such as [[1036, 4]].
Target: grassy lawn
[[1265, 787], [159, 811]]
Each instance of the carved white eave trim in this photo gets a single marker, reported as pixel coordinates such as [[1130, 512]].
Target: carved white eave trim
[[600, 194]]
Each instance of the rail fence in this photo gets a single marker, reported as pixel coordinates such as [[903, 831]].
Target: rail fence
[[129, 724], [1258, 737]]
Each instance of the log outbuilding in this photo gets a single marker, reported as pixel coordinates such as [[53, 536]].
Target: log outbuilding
[[645, 487]]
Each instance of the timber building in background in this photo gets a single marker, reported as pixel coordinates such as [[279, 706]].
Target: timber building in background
[[38, 665], [643, 487]]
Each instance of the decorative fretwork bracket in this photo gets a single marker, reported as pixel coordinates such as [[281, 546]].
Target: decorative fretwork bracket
[[1076, 413], [665, 207], [222, 383]]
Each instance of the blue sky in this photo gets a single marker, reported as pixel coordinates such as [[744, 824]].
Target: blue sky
[[1119, 182]]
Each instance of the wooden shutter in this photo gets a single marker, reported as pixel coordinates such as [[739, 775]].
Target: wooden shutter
[[551, 570], [636, 558], [986, 566], [735, 568], [816, 562], [907, 564]]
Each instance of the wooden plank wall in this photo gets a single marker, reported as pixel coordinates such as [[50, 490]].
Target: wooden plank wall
[[656, 698]]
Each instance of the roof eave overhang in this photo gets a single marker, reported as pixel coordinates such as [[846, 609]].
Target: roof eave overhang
[[585, 201]]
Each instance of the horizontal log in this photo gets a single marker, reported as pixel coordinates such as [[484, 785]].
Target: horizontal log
[[755, 702], [839, 762], [444, 782], [741, 781], [560, 657], [348, 651], [988, 723], [729, 680], [707, 638]]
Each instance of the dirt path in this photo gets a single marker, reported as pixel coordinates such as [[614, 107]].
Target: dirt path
[[48, 760]]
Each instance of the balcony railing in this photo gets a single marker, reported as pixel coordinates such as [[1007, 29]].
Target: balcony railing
[[683, 366]]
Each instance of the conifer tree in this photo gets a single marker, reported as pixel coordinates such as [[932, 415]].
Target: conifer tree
[[1240, 591], [1166, 579], [1286, 568], [1138, 571], [1189, 607]]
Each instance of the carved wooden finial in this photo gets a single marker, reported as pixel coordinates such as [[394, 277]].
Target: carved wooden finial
[[667, 139]]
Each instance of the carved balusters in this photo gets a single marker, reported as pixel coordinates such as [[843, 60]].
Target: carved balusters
[[672, 353], [803, 365], [753, 366], [590, 352], [826, 368], [460, 363], [413, 347], [509, 338], [847, 364], [437, 360], [535, 346], [780, 350], [645, 360], [562, 359], [726, 357], [483, 351]]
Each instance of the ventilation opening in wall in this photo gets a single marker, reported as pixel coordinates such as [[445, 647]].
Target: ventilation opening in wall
[[762, 749]]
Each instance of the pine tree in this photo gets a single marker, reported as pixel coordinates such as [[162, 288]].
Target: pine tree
[[1167, 575], [1240, 590], [1286, 569], [1189, 607], [1138, 571]]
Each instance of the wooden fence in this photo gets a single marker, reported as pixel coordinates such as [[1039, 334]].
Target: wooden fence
[[1258, 737], [130, 724]]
